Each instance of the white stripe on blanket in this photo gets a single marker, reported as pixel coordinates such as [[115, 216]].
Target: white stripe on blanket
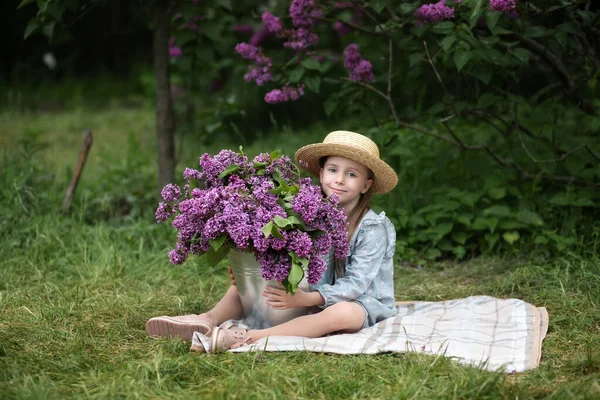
[[481, 331]]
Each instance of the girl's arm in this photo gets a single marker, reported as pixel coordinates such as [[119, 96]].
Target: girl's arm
[[362, 267]]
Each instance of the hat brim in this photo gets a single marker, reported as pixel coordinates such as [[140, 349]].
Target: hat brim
[[308, 158]]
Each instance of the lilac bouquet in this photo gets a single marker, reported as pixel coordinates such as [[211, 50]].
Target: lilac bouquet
[[260, 206]]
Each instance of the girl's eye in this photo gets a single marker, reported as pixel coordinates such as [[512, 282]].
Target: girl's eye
[[352, 174], [331, 169]]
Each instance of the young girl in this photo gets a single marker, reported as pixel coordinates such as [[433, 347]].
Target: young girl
[[354, 293]]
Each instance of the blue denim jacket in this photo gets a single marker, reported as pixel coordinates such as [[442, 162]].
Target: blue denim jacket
[[369, 272]]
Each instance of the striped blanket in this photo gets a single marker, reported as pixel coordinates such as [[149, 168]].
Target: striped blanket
[[483, 331]]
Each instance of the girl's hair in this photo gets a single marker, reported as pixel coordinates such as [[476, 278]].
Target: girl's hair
[[354, 218]]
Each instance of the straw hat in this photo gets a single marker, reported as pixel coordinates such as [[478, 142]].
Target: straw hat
[[354, 146]]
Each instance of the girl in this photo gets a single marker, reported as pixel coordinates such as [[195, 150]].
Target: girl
[[353, 293]]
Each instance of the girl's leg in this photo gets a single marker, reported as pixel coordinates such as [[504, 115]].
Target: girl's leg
[[343, 316], [229, 307]]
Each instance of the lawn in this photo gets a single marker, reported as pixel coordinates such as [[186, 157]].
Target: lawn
[[76, 291]]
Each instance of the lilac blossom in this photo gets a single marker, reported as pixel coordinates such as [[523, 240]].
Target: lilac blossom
[[284, 94], [239, 197], [360, 69], [272, 22], [174, 51], [432, 13], [504, 6], [260, 71]]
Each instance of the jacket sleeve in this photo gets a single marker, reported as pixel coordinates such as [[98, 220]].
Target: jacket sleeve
[[362, 266]]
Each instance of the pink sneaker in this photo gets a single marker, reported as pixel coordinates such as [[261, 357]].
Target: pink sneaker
[[224, 339], [182, 326]]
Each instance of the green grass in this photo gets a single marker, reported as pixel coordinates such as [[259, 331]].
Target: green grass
[[74, 297]]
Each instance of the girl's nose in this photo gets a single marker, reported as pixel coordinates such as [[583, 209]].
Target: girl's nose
[[339, 179]]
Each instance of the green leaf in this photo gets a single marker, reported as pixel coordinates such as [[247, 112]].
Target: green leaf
[[378, 5], [225, 4], [443, 28], [432, 254], [282, 222], [218, 242], [511, 237], [522, 55], [214, 257], [476, 13], [491, 18], [275, 154], [330, 105], [296, 274], [229, 170], [461, 58], [497, 193], [499, 211], [460, 237], [481, 223], [482, 72], [296, 75], [415, 58], [530, 217], [275, 232], [313, 83], [25, 2], [459, 251], [32, 26], [536, 31], [447, 42], [486, 100], [311, 63], [267, 228]]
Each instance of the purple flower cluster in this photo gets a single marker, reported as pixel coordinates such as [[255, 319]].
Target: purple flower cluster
[[174, 51], [360, 69], [239, 203], [260, 72], [504, 6], [432, 13], [284, 94], [272, 22]]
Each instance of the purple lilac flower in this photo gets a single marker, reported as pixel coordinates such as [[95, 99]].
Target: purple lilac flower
[[316, 267], [300, 12], [359, 68], [260, 71], [171, 192], [272, 22], [192, 173], [286, 93], [243, 29], [300, 243], [300, 39], [177, 257], [174, 51], [163, 212], [504, 6], [432, 13], [363, 72], [341, 28]]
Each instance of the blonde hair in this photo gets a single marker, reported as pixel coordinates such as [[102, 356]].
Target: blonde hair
[[354, 217]]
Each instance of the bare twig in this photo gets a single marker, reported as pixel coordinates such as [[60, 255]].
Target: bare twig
[[83, 153], [390, 57], [380, 93]]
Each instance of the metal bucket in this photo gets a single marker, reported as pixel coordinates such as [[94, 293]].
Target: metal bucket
[[250, 284]]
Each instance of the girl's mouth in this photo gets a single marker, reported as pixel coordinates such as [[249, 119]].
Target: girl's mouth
[[337, 191]]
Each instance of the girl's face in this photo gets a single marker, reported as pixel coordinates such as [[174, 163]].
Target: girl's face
[[346, 178]]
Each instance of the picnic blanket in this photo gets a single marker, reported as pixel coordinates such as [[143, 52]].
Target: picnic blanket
[[483, 331]]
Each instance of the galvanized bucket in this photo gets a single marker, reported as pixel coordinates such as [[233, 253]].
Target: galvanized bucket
[[250, 284]]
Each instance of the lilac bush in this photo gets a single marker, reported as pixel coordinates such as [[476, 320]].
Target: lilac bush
[[260, 206]]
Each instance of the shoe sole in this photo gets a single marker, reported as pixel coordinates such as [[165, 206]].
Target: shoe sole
[[165, 327]]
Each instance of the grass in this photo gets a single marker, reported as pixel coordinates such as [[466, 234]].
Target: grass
[[74, 297]]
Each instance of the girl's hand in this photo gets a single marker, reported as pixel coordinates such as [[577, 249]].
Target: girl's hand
[[280, 300]]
